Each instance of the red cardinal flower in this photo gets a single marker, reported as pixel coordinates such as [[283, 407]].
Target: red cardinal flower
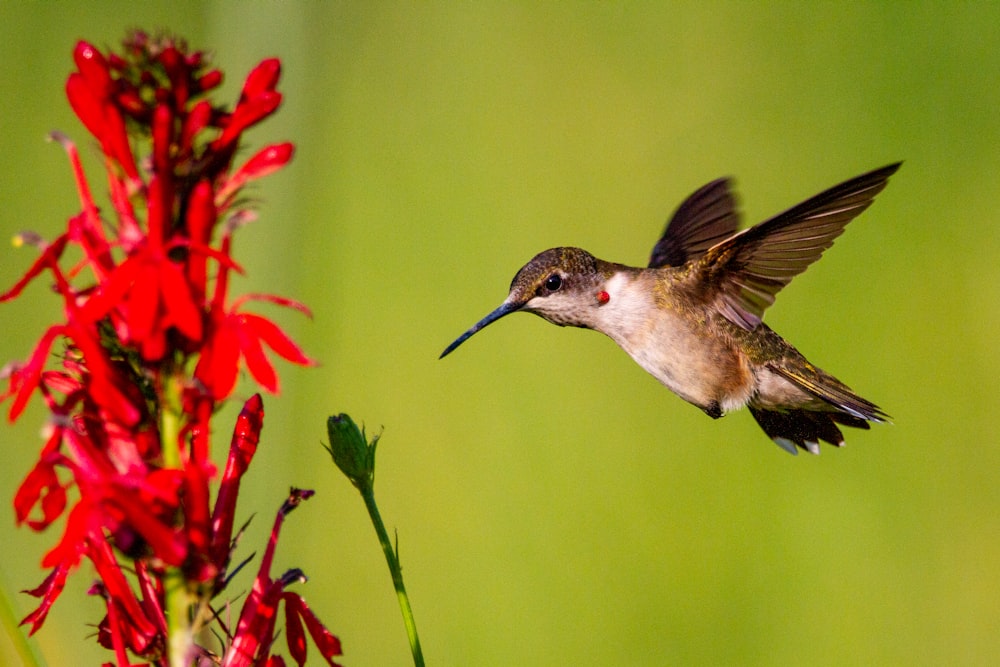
[[255, 631], [149, 344]]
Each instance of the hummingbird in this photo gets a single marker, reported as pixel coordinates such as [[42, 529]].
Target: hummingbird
[[692, 318]]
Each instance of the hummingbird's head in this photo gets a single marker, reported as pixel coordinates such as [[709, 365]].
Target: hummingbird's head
[[561, 285]]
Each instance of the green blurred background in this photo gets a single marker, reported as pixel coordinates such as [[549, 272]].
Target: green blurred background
[[554, 504]]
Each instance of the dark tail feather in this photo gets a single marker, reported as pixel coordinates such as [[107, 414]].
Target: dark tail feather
[[804, 428]]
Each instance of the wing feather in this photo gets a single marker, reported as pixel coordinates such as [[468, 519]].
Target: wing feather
[[704, 219], [744, 272]]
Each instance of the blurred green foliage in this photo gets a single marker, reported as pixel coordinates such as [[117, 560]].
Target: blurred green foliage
[[554, 504]]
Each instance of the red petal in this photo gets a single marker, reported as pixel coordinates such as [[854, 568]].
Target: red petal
[[48, 259], [115, 141], [41, 485], [143, 302], [114, 631], [129, 233], [181, 310], [150, 596], [276, 300], [256, 624], [106, 383], [111, 293], [218, 366], [276, 339], [222, 279], [327, 643], [49, 591], [295, 635], [255, 630], [73, 542], [200, 221], [117, 586], [257, 363], [31, 373], [166, 542], [91, 232], [196, 524]]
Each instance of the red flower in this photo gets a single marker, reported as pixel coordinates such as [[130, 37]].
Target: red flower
[[127, 457], [255, 631], [234, 335]]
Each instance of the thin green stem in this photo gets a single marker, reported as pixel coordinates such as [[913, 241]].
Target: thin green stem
[[368, 493], [8, 619], [180, 634], [170, 423]]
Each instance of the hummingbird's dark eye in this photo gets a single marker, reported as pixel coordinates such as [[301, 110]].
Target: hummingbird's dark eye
[[553, 282]]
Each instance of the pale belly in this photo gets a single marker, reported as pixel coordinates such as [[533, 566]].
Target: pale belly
[[710, 371], [701, 369]]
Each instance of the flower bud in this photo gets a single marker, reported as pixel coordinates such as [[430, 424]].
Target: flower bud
[[351, 451]]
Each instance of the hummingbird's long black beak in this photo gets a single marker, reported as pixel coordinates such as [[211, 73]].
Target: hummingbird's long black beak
[[506, 308]]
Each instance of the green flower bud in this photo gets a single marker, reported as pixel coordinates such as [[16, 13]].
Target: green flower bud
[[351, 451]]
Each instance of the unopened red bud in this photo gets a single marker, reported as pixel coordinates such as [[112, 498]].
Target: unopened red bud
[[197, 120], [94, 68], [247, 114], [266, 161], [262, 79], [163, 124], [132, 104], [85, 104], [209, 80]]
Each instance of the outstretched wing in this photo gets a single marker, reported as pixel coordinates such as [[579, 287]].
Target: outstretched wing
[[744, 272], [701, 221]]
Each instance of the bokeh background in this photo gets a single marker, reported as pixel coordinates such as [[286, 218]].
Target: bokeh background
[[554, 505]]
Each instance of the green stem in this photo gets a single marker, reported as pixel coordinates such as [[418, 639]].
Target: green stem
[[180, 637], [368, 493], [170, 424], [180, 634], [8, 619]]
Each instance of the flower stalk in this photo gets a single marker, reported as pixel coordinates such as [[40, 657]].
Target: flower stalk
[[354, 454], [396, 571], [150, 345]]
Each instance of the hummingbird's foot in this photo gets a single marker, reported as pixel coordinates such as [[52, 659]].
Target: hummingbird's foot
[[713, 410]]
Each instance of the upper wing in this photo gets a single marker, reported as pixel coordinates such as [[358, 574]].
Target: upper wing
[[744, 272], [702, 220]]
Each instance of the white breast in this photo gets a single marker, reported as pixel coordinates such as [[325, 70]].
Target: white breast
[[699, 368]]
